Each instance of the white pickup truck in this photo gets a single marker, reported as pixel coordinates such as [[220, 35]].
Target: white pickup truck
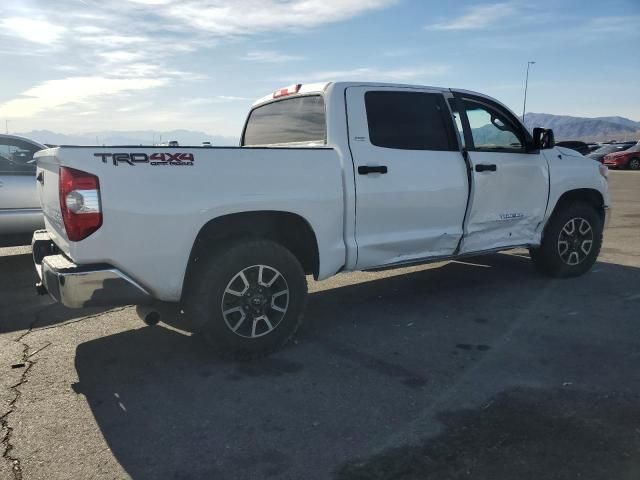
[[328, 178]]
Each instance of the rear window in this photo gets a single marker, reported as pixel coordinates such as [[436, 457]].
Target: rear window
[[294, 120], [409, 121]]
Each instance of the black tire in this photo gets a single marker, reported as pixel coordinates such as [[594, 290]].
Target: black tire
[[634, 163], [552, 259], [210, 293]]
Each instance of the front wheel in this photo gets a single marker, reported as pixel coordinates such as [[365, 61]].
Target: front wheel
[[247, 298], [634, 163], [571, 242]]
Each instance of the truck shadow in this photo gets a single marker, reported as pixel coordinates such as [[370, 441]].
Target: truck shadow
[[372, 358], [20, 307]]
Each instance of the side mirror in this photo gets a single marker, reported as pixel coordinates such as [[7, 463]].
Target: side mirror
[[543, 138]]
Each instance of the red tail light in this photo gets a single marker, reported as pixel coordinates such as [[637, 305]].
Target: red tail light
[[79, 203]]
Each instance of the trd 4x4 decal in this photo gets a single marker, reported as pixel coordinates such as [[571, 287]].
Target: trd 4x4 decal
[[159, 158]]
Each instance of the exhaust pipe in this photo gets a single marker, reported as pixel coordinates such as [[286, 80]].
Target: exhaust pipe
[[155, 312], [148, 314]]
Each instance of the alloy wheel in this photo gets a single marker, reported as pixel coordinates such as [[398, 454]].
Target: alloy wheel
[[255, 301], [575, 241]]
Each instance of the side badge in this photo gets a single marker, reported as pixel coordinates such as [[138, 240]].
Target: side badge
[[511, 216]]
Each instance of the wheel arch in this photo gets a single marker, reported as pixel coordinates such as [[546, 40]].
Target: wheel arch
[[289, 229], [591, 196]]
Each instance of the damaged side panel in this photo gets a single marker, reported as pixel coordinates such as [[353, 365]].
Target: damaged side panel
[[489, 235], [508, 205]]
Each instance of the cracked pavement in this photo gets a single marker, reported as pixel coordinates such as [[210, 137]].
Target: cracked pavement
[[473, 369]]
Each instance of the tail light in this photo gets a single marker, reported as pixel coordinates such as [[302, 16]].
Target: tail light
[[79, 203]]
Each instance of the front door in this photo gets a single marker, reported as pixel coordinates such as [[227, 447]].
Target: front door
[[510, 184], [410, 177]]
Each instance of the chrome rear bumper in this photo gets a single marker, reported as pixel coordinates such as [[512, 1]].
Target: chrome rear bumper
[[78, 286]]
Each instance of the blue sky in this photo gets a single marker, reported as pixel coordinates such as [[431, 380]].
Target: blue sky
[[84, 65]]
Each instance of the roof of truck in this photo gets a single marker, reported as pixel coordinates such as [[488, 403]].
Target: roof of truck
[[319, 87]]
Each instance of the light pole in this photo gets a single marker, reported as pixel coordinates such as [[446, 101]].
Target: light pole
[[526, 84]]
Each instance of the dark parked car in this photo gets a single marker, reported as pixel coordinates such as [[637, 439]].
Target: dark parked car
[[609, 148], [593, 146], [579, 147]]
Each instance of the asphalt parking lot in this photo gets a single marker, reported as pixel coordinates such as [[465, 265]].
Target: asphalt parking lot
[[481, 369]]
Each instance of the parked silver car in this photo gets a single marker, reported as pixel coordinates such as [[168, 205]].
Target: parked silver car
[[20, 212]]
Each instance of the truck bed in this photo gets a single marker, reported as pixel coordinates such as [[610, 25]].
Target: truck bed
[[155, 200]]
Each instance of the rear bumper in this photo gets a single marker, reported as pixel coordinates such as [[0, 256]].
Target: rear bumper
[[78, 286]]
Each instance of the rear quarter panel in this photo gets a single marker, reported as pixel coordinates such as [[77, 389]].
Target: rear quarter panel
[[152, 214]]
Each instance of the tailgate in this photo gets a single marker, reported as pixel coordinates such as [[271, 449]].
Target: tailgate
[[47, 175]]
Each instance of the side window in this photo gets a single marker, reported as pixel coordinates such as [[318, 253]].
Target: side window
[[16, 157], [491, 130], [409, 121]]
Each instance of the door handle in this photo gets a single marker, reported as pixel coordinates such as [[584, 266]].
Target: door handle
[[366, 169], [40, 178], [483, 167]]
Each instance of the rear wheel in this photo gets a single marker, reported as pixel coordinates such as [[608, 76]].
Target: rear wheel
[[247, 299], [634, 163], [571, 242]]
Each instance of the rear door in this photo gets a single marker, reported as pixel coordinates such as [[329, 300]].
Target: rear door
[[19, 205], [510, 186], [410, 176]]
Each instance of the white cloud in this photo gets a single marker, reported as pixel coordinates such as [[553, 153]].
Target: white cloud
[[408, 74], [114, 40], [119, 56], [89, 29], [478, 17], [132, 107], [32, 30], [197, 101], [231, 98], [241, 17], [270, 56], [110, 49], [151, 2], [71, 90]]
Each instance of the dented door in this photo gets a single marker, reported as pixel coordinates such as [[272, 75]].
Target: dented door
[[510, 183]]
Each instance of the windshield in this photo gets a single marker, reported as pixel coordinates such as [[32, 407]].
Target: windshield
[[294, 120]]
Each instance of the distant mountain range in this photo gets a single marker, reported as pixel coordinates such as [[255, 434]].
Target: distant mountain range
[[141, 137], [564, 127], [590, 129]]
